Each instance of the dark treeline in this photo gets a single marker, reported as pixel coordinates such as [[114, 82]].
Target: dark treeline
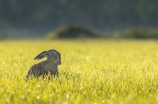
[[95, 14], [90, 13]]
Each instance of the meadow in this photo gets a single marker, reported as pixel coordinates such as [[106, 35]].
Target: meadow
[[91, 72]]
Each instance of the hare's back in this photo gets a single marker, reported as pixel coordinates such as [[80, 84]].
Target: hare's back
[[35, 68]]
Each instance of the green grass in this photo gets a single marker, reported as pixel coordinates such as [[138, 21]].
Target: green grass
[[97, 71]]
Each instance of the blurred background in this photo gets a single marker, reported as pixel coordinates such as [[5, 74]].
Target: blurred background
[[37, 19]]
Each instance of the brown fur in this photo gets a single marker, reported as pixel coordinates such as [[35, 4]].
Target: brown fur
[[49, 66]]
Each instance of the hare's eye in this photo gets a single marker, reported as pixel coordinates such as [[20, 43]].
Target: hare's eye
[[55, 53]]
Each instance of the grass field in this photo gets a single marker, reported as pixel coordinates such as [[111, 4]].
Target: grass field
[[92, 72]]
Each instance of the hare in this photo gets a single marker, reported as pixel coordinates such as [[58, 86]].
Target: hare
[[48, 66]]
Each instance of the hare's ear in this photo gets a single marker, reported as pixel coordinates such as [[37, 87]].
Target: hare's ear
[[59, 58], [41, 55]]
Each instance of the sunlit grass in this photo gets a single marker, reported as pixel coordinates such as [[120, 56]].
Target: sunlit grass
[[97, 71]]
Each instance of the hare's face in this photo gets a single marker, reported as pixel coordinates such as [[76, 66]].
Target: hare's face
[[54, 56], [51, 55]]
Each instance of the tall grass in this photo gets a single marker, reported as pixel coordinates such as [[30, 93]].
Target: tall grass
[[97, 71]]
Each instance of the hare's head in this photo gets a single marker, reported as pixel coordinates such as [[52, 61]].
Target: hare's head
[[51, 55]]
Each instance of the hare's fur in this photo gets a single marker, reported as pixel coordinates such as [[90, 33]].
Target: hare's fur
[[49, 66]]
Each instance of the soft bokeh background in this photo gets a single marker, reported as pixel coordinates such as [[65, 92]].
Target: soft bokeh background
[[37, 19], [92, 71]]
